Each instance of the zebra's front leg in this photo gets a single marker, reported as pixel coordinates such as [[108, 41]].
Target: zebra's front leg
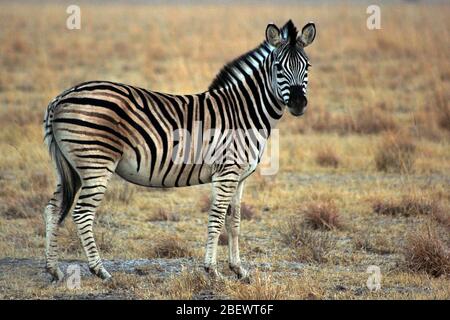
[[232, 223], [223, 191]]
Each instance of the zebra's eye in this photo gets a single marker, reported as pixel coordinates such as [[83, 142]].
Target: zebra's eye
[[278, 66]]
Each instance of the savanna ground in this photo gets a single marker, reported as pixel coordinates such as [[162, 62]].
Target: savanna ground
[[364, 175]]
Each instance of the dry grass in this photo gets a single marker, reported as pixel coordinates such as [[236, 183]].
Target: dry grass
[[322, 215], [171, 247], [426, 252], [186, 285], [164, 215], [443, 218], [307, 245], [262, 287], [374, 120], [410, 206], [396, 153], [327, 157]]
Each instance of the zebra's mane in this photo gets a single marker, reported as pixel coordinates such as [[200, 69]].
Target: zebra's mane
[[226, 74]]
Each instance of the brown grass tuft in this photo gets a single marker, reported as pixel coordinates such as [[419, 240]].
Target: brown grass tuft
[[408, 206], [171, 247], [327, 157], [396, 153], [309, 246], [372, 121], [443, 218], [23, 207], [262, 287], [442, 107], [164, 215], [426, 252], [322, 215], [186, 285]]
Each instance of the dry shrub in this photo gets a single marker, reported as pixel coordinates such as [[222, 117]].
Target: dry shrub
[[327, 157], [322, 215], [426, 252], [262, 287], [171, 247], [443, 218], [426, 124], [442, 107], [24, 206], [376, 244], [122, 282], [21, 116], [367, 121], [372, 121], [164, 215], [324, 121], [396, 153], [39, 180], [186, 285], [309, 246], [434, 117], [408, 206]]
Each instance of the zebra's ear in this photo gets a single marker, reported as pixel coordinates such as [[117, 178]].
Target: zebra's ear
[[308, 34], [273, 35]]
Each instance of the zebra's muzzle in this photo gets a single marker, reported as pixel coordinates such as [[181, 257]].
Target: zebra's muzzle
[[297, 101]]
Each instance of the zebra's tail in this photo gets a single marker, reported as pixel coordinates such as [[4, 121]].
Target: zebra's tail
[[69, 179]]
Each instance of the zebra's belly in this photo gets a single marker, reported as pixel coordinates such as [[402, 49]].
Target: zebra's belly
[[174, 175]]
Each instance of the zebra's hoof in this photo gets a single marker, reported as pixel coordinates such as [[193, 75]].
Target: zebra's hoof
[[241, 273], [245, 278], [101, 273], [104, 275], [56, 274], [213, 274]]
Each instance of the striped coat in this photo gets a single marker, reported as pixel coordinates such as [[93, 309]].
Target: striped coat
[[99, 128]]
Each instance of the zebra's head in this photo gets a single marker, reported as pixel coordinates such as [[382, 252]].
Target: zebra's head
[[289, 68]]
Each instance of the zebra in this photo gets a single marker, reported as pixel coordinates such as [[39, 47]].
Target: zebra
[[99, 128]]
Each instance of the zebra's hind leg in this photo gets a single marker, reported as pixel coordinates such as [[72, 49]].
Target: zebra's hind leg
[[224, 187], [232, 223], [51, 218], [93, 188]]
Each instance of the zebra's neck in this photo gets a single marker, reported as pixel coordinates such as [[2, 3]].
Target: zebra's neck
[[246, 81]]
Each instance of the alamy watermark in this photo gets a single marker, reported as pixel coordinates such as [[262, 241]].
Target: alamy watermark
[[73, 280], [373, 22], [73, 21], [212, 146], [374, 280]]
